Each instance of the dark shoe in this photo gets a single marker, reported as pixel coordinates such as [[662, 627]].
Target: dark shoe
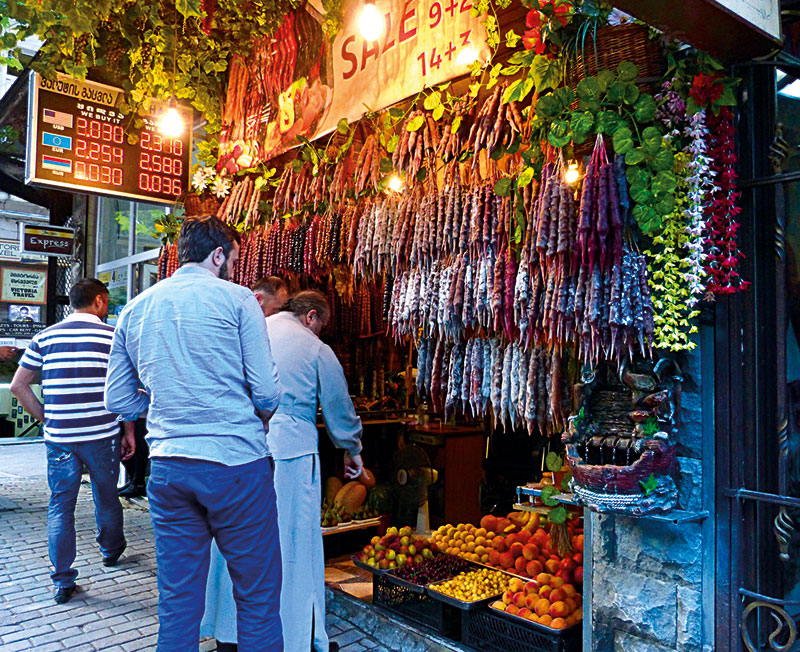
[[65, 593], [113, 559], [132, 491], [226, 647], [333, 646]]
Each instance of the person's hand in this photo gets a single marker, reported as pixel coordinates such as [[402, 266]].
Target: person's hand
[[8, 352], [128, 444], [352, 466]]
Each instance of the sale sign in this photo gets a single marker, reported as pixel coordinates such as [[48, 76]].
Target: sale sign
[[307, 84], [423, 44]]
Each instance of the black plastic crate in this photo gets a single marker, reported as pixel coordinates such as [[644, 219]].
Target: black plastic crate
[[488, 631], [416, 606]]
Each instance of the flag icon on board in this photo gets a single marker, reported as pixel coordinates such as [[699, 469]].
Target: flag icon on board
[[57, 117], [56, 140], [56, 163]]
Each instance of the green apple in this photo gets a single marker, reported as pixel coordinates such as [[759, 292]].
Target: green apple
[[401, 560], [412, 550], [390, 555]]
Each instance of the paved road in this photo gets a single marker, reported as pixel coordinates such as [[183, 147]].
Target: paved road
[[115, 609]]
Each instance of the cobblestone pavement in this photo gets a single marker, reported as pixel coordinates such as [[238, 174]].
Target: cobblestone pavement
[[115, 608]]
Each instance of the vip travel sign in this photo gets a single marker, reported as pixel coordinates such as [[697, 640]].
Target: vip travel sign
[[78, 139]]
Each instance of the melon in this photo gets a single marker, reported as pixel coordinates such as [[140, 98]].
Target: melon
[[332, 487], [367, 478], [351, 496]]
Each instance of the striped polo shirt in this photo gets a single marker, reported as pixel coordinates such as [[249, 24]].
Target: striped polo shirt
[[73, 357]]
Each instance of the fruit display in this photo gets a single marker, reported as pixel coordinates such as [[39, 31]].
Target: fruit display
[[364, 513], [524, 550], [351, 496], [396, 549], [546, 600], [435, 569], [333, 515], [474, 585]]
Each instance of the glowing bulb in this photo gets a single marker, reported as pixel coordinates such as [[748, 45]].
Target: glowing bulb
[[370, 23], [395, 183], [172, 123], [467, 56], [572, 174]]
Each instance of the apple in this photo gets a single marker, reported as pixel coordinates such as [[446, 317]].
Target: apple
[[404, 550], [391, 555], [405, 531], [401, 560], [383, 564], [427, 553], [391, 530], [412, 550], [375, 540], [379, 547], [392, 564], [418, 559], [405, 541]]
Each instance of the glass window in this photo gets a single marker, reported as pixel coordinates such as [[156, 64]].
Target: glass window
[[146, 216], [113, 229], [116, 281], [146, 275]]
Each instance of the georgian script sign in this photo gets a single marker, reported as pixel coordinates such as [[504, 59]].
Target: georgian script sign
[[764, 15], [23, 285], [46, 240]]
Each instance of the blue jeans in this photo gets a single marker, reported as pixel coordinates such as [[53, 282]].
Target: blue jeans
[[192, 501], [65, 464]]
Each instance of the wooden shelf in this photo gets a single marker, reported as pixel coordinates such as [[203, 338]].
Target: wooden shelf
[[354, 525]]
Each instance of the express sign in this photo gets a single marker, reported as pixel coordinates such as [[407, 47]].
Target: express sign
[[46, 240]]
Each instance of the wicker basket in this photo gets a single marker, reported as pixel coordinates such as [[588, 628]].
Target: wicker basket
[[612, 46], [205, 204]]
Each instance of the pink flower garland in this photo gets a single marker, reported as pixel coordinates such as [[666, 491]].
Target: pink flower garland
[[723, 253]]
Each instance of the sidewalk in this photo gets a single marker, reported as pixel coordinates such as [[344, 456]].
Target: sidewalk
[[116, 608]]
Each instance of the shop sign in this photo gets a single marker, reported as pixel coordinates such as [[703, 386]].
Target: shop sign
[[21, 285], [765, 15], [20, 331], [46, 240], [9, 250], [424, 43]]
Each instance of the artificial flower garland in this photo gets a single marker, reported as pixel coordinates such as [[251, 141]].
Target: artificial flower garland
[[724, 255]]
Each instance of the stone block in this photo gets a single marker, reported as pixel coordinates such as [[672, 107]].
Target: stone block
[[662, 550], [635, 603], [603, 537], [690, 484], [690, 620], [630, 643]]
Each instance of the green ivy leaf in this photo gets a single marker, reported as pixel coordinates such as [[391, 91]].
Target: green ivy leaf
[[455, 124], [553, 461], [647, 218], [432, 101], [396, 113], [627, 71], [641, 194], [512, 39], [415, 123], [559, 134], [588, 88], [631, 94], [665, 182], [342, 126], [634, 156], [385, 165], [645, 108], [622, 140], [510, 70], [502, 187], [438, 112], [523, 58], [582, 123], [525, 177], [565, 482], [422, 173], [547, 496], [548, 107], [608, 122], [518, 90], [665, 204], [546, 72], [564, 95], [664, 160], [616, 92], [558, 516], [605, 78], [391, 146]]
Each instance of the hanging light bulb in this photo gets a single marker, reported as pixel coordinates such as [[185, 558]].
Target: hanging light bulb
[[370, 22], [467, 56], [572, 174], [171, 124], [395, 183]]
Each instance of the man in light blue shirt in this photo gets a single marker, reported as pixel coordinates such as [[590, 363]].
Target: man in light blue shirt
[[199, 347]]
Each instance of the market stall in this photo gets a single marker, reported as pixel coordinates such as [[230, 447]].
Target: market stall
[[516, 238]]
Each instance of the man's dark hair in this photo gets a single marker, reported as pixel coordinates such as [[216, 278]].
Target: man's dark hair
[[84, 292], [303, 302], [270, 285], [199, 236]]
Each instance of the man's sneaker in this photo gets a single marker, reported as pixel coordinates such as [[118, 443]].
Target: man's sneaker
[[113, 559], [132, 491], [64, 594]]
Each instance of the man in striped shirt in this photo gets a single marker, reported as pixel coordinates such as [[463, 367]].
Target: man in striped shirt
[[72, 357]]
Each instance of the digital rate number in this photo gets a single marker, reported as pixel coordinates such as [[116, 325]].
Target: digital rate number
[[99, 152]]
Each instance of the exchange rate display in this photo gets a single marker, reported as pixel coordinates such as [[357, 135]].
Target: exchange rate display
[[78, 139]]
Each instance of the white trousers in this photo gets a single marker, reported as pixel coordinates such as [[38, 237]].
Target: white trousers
[[298, 488]]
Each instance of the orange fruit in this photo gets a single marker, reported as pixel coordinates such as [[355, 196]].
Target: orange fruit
[[558, 623]]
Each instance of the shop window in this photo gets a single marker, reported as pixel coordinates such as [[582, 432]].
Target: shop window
[[116, 281], [113, 229]]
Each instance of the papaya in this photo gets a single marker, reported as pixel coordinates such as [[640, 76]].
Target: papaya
[[351, 496], [332, 487], [367, 478]]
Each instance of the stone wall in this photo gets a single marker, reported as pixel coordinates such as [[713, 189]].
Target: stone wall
[[647, 575]]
